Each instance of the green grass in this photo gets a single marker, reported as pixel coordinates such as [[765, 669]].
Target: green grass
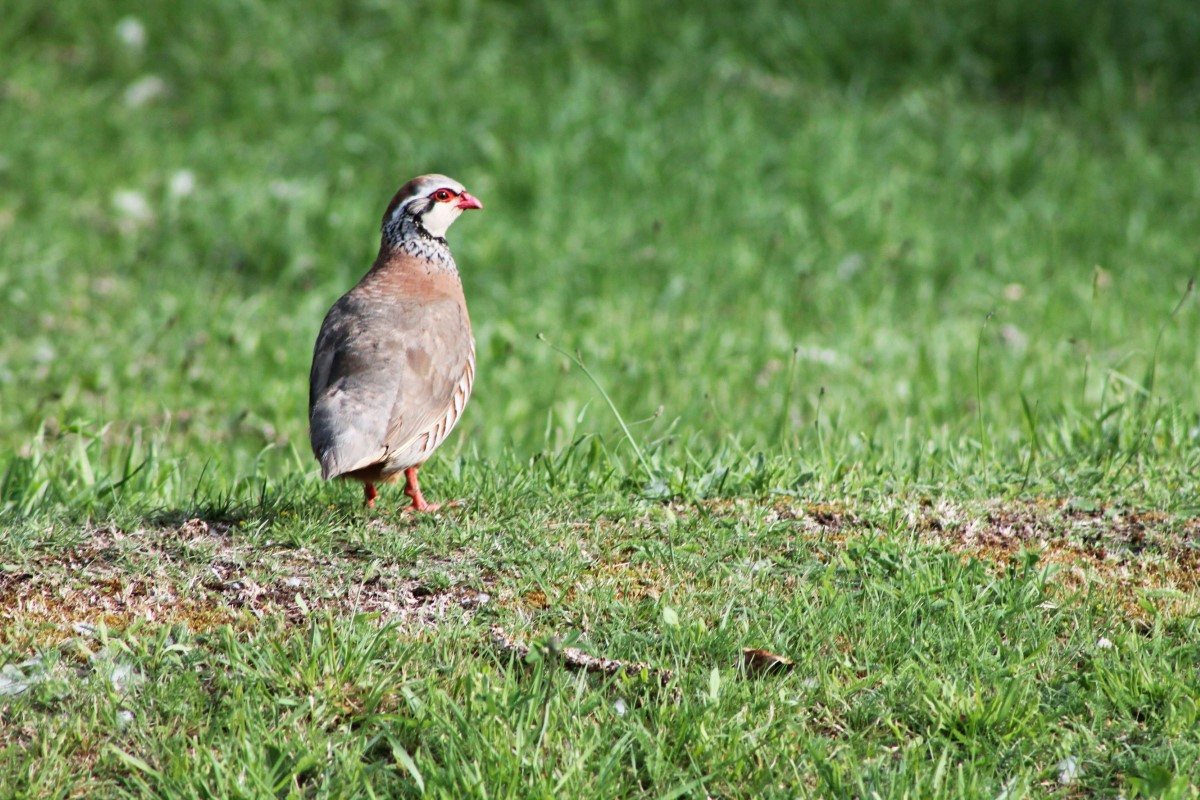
[[893, 307]]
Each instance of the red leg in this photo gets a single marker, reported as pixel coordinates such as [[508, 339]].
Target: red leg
[[413, 489], [369, 495]]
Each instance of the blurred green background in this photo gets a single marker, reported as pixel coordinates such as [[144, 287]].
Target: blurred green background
[[920, 246]]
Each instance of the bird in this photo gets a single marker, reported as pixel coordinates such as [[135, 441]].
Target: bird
[[394, 362]]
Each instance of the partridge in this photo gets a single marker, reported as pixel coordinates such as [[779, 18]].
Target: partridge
[[395, 359]]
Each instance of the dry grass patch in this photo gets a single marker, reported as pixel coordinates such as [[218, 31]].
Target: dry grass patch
[[199, 574]]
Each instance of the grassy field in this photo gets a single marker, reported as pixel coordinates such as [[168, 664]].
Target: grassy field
[[894, 303]]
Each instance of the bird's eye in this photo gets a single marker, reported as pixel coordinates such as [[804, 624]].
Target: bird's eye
[[443, 195]]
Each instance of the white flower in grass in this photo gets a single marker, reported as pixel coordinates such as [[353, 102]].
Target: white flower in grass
[[43, 353], [1104, 643], [285, 190], [182, 183], [19, 678], [131, 32], [619, 707], [1069, 770], [817, 355], [1013, 336], [132, 207], [122, 676], [145, 90], [850, 266]]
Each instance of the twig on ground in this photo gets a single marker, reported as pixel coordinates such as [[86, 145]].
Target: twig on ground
[[575, 659]]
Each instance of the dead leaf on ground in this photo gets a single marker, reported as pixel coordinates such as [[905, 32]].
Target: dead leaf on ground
[[757, 662]]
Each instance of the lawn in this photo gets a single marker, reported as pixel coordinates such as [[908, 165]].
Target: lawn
[[862, 335]]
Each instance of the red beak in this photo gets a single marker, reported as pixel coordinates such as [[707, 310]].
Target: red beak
[[465, 201]]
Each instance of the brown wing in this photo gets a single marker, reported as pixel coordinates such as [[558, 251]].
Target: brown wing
[[384, 372]]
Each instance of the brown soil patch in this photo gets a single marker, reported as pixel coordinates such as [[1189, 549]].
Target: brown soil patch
[[201, 575], [196, 575], [1126, 552]]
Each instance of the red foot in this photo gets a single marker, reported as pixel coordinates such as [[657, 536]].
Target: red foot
[[369, 495], [413, 489], [428, 508]]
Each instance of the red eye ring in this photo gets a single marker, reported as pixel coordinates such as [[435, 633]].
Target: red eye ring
[[443, 195]]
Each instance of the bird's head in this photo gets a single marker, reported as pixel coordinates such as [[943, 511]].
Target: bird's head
[[428, 204]]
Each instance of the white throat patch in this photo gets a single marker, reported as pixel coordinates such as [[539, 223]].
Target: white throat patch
[[439, 217]]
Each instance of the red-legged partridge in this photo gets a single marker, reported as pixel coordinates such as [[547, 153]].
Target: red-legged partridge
[[394, 362]]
